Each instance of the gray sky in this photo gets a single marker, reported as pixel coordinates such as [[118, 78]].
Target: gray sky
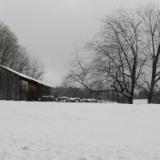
[[50, 29]]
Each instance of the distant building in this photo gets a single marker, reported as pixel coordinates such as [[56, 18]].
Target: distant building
[[17, 86]]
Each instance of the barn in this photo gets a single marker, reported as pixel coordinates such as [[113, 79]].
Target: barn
[[17, 86]]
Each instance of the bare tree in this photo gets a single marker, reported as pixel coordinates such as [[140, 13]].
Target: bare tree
[[35, 69], [119, 56], [14, 56], [120, 45], [150, 17], [80, 74], [8, 45]]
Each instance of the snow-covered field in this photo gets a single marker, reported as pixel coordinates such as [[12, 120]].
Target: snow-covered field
[[59, 131]]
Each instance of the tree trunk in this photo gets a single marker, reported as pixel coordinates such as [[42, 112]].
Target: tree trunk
[[133, 78], [151, 90], [130, 100], [150, 96]]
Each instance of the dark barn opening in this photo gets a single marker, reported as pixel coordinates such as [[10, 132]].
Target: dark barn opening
[[16, 86]]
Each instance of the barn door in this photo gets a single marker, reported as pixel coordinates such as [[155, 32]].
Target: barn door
[[24, 91]]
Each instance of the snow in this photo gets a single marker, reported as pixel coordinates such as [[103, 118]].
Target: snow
[[79, 131], [140, 101]]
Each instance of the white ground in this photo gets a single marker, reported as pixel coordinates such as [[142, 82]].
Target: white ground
[[59, 131], [141, 101]]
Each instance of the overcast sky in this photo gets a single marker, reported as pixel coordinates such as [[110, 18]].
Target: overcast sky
[[50, 29]]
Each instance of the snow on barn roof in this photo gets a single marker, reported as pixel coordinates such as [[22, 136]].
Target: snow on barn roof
[[24, 76]]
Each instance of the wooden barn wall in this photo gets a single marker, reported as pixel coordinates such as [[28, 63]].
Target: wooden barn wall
[[33, 91], [9, 86], [12, 87]]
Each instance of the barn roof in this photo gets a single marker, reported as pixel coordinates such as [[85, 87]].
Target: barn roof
[[25, 76]]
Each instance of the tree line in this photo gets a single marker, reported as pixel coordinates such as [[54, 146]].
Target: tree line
[[124, 55], [14, 55]]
